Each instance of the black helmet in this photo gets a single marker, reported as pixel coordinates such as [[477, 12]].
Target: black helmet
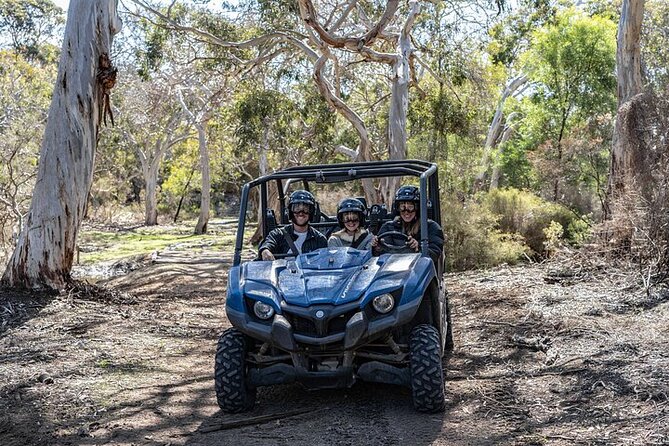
[[350, 205], [302, 196], [407, 193]]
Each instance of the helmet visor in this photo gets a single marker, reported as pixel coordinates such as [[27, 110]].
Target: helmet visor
[[351, 217], [301, 208]]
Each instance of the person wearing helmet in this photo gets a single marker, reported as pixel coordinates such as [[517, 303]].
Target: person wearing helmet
[[351, 218], [298, 237], [406, 207]]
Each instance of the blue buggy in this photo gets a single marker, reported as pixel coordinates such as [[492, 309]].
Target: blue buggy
[[333, 316]]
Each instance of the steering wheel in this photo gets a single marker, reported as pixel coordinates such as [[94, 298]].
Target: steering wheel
[[391, 247]]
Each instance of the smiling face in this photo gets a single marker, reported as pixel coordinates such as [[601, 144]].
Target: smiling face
[[301, 214], [351, 221], [407, 211]]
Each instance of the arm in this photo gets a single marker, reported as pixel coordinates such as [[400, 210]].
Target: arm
[[377, 250], [270, 245]]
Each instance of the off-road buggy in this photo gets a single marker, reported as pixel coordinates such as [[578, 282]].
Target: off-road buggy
[[330, 317]]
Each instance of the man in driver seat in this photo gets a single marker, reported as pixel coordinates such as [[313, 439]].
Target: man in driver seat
[[298, 237], [407, 208]]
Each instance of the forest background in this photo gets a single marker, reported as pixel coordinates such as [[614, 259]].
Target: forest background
[[515, 101]]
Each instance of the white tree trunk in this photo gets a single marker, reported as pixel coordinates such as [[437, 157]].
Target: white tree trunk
[[628, 53], [506, 135], [399, 103], [205, 195], [628, 68], [45, 250], [151, 199], [495, 130]]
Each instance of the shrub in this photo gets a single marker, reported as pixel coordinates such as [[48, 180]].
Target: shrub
[[521, 212], [506, 226], [472, 239]]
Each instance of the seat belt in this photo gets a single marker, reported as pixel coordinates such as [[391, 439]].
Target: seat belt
[[361, 239], [290, 241]]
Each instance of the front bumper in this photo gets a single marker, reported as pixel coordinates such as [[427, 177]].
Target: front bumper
[[357, 330]]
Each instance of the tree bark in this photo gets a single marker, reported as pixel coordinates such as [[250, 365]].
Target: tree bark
[[495, 130], [150, 198], [205, 193], [506, 135], [628, 53], [628, 68], [399, 102], [45, 250]]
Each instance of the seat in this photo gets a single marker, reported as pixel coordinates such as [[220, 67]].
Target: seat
[[378, 214], [269, 222]]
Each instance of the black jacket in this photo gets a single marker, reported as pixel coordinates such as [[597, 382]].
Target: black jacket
[[277, 244], [435, 236]]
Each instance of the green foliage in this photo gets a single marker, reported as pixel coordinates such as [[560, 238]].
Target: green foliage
[[553, 236], [30, 24], [506, 226], [25, 93], [655, 44], [572, 63], [511, 35], [182, 175], [562, 139], [264, 112], [523, 213], [473, 239], [150, 54]]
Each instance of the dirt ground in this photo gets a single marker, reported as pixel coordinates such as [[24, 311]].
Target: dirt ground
[[544, 355]]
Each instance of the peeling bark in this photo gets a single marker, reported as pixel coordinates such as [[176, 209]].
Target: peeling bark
[[45, 250], [628, 69]]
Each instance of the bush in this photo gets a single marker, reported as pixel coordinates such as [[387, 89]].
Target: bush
[[506, 226], [528, 215], [473, 240]]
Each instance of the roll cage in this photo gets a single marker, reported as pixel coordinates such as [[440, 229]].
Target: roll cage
[[339, 173]]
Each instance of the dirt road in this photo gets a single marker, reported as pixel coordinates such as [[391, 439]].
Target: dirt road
[[542, 357]]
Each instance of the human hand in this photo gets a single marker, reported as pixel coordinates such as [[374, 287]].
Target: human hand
[[267, 255], [412, 243], [375, 242]]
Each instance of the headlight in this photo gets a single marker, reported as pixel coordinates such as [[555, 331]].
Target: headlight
[[263, 311], [383, 303]]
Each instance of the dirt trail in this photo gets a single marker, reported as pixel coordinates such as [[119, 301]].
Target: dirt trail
[[542, 357]]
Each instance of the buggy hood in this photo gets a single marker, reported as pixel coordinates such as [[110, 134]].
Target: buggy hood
[[326, 276]]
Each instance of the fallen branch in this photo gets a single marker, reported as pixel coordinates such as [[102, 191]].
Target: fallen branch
[[256, 420]]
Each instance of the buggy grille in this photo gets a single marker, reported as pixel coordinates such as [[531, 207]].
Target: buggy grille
[[308, 327]]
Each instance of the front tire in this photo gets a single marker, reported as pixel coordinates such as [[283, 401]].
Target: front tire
[[232, 391], [427, 375]]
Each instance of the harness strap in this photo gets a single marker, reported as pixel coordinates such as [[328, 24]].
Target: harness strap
[[290, 241]]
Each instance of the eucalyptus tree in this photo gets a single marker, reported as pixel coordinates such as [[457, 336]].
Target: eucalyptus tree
[[45, 249], [333, 38], [571, 66], [153, 122], [199, 103], [628, 68], [509, 38], [30, 25], [25, 90]]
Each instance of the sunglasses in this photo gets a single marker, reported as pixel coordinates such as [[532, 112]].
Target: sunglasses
[[351, 219], [301, 212], [407, 209]]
